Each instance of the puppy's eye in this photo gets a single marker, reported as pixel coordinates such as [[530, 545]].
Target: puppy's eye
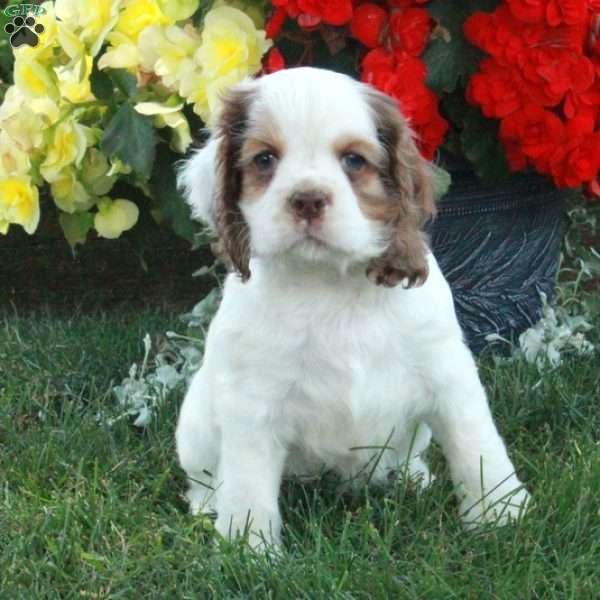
[[265, 161], [353, 162]]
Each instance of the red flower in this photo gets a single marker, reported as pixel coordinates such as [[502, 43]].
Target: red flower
[[569, 12], [405, 3], [410, 29], [290, 6], [274, 61], [528, 11], [402, 77], [550, 73], [531, 135], [275, 23], [496, 89], [331, 12], [509, 40], [552, 12], [367, 24], [581, 162]]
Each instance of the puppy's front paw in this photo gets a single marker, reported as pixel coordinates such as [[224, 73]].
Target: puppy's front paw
[[261, 534], [495, 509], [386, 272]]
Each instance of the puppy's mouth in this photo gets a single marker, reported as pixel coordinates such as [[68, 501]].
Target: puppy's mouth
[[311, 238]]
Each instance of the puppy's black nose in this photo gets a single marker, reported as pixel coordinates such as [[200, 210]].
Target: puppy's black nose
[[309, 205]]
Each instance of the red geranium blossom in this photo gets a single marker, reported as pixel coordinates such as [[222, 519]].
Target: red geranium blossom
[[551, 12], [331, 12], [497, 90], [367, 24], [402, 76], [410, 29]]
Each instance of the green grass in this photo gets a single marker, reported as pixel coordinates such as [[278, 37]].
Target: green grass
[[88, 511]]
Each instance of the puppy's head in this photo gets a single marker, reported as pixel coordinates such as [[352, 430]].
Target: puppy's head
[[310, 163]]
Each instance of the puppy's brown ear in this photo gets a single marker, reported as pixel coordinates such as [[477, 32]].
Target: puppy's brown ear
[[230, 223], [407, 179]]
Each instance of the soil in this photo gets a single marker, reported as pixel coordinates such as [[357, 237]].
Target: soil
[[42, 269]]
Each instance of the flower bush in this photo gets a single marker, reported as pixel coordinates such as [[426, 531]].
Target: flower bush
[[95, 115], [104, 104]]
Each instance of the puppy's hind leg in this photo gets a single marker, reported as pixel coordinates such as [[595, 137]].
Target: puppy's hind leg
[[485, 479], [198, 441]]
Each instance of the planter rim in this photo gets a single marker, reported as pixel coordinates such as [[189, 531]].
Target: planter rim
[[467, 195]]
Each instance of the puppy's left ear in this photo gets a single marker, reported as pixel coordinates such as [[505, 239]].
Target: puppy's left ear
[[408, 181]]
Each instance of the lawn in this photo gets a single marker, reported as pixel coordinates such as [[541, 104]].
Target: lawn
[[92, 511]]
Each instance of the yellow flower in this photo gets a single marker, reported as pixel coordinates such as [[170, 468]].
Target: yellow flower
[[115, 217], [178, 10], [91, 19], [13, 160], [25, 120], [94, 173], [70, 42], [34, 79], [67, 146], [69, 194], [230, 44], [43, 52], [168, 51], [19, 204], [122, 53], [169, 116], [74, 82], [137, 15], [248, 7], [231, 49]]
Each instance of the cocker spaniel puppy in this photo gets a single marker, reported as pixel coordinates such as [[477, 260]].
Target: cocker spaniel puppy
[[336, 344]]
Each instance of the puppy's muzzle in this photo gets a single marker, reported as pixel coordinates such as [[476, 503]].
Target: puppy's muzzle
[[309, 205]]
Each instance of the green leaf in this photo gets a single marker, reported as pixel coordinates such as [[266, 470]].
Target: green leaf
[[131, 137], [101, 84], [198, 16], [125, 81], [450, 58], [482, 147], [441, 181], [76, 226], [163, 186]]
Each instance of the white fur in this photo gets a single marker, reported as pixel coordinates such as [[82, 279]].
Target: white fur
[[309, 365]]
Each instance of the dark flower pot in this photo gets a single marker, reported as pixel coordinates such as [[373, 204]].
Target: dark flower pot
[[499, 248]]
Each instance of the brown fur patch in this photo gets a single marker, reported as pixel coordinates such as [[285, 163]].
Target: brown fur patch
[[254, 180], [231, 225], [403, 198]]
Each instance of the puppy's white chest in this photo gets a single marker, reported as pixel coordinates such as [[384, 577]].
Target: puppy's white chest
[[348, 392]]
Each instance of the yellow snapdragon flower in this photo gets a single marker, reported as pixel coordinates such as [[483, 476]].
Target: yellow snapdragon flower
[[114, 217], [69, 194], [66, 147], [169, 115], [95, 173], [137, 15], [178, 10], [169, 52], [74, 82], [90, 20], [13, 160], [232, 48], [43, 52], [122, 53], [25, 120], [34, 78], [19, 204]]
